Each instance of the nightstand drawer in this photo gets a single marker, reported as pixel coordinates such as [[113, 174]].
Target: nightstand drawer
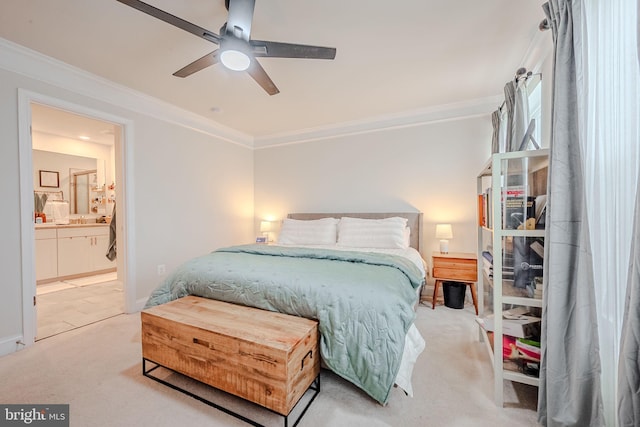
[[455, 266], [464, 274], [457, 263]]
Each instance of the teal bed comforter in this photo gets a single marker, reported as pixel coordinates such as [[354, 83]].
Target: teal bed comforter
[[363, 301]]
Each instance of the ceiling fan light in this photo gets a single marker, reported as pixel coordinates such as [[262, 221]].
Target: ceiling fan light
[[235, 60]]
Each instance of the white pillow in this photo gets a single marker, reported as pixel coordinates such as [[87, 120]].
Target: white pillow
[[309, 232], [373, 233], [407, 237]]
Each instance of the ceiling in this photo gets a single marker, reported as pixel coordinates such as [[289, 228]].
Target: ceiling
[[393, 58], [58, 122]]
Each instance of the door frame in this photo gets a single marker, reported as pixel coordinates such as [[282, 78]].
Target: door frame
[[123, 151]]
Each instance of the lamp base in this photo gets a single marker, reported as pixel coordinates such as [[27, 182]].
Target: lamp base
[[444, 246]]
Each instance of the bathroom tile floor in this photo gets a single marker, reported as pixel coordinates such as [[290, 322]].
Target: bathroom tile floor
[[67, 305]]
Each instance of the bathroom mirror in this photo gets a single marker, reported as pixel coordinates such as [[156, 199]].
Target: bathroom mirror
[[86, 181], [82, 184]]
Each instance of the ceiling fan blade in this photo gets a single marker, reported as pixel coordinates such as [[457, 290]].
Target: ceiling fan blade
[[206, 61], [269, 49], [260, 76], [173, 20], [240, 17]]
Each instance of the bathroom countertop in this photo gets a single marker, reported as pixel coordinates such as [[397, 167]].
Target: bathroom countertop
[[54, 225]]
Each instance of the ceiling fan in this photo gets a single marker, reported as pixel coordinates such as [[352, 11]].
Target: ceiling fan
[[237, 50]]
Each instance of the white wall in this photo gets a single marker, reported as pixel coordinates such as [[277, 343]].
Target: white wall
[[11, 290], [430, 168], [61, 163], [192, 193], [104, 154]]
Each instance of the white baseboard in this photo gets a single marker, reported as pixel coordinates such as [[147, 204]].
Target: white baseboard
[[10, 345], [140, 303]]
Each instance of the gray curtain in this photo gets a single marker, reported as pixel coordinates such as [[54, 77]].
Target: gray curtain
[[495, 139], [510, 105], [516, 100], [569, 393], [629, 361], [520, 116]]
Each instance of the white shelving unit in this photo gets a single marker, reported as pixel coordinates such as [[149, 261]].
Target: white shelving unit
[[522, 172]]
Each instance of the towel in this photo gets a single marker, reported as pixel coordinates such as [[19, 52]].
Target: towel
[[111, 251], [39, 201]]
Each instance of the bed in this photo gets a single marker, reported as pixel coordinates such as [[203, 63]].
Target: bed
[[359, 275]]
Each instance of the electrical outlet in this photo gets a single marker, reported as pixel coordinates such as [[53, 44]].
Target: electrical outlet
[[162, 269]]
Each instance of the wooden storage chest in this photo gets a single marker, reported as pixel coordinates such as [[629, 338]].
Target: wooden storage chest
[[265, 357]]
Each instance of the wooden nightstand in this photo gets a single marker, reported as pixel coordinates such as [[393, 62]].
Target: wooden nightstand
[[457, 267]]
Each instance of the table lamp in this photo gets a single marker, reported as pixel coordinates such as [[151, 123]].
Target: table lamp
[[444, 233], [265, 228]]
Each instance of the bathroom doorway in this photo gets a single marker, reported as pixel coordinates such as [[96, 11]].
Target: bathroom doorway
[[77, 277]]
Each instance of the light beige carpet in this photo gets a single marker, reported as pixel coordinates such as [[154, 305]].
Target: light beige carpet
[[97, 370]]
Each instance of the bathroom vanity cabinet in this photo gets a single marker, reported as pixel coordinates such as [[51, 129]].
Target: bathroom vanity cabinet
[[46, 254], [76, 250]]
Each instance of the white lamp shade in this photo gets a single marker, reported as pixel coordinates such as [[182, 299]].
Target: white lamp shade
[[265, 226], [444, 231]]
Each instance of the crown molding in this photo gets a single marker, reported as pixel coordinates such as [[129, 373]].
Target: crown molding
[[420, 117], [32, 64], [539, 49], [24, 61]]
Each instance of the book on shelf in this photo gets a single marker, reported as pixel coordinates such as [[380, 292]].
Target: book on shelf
[[518, 354], [485, 209], [511, 190], [524, 354], [520, 348], [528, 349], [487, 267], [519, 210], [482, 214], [507, 266], [519, 213], [541, 211]]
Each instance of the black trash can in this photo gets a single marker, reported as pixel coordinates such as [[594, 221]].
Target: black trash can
[[454, 293]]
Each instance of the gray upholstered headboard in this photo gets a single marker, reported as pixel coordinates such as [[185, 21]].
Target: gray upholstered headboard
[[414, 221]]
